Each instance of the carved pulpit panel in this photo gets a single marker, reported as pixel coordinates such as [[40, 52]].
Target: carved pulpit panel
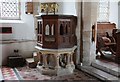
[[58, 31]]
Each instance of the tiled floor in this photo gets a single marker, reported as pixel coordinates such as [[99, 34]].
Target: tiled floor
[[8, 73], [26, 73], [29, 74], [33, 74]]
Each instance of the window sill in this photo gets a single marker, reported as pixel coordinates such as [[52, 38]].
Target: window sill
[[11, 21]]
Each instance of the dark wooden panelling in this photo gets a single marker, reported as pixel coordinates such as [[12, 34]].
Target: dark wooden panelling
[[102, 28], [60, 31]]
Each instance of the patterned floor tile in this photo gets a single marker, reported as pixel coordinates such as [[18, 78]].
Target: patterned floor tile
[[8, 73], [33, 74]]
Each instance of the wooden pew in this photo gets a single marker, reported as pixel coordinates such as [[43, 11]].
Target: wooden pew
[[105, 39], [118, 46], [102, 28]]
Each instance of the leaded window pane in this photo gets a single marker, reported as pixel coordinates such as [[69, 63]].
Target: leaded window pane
[[103, 11], [10, 9]]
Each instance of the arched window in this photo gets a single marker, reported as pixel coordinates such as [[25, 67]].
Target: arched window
[[52, 29], [103, 11], [47, 30]]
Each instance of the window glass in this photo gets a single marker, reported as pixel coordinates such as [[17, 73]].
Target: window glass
[[103, 11], [10, 9]]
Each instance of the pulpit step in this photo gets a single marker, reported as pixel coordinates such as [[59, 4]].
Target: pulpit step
[[99, 73], [111, 69]]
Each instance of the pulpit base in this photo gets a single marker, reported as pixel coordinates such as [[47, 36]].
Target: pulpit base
[[57, 72], [56, 61]]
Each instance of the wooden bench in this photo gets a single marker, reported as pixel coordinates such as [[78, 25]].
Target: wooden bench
[[105, 38], [118, 46]]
